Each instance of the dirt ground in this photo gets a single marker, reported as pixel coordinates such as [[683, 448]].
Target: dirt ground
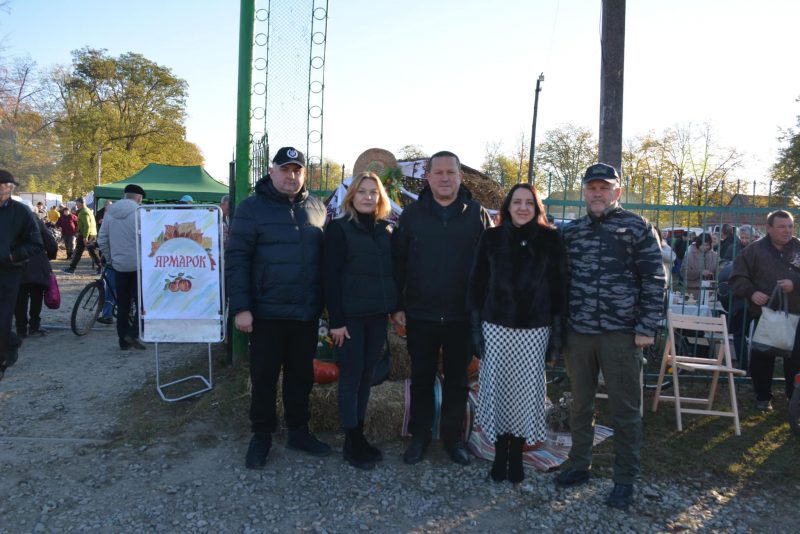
[[86, 445]]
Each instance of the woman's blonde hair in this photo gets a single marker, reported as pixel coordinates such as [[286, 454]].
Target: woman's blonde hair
[[383, 207]]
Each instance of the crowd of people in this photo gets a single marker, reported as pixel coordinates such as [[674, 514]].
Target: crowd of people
[[81, 231], [518, 294]]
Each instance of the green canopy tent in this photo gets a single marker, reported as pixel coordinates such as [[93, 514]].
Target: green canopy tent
[[168, 183]]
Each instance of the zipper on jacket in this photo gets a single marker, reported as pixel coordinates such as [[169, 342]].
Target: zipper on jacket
[[597, 281]]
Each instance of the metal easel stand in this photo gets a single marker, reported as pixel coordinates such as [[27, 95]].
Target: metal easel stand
[[208, 383]]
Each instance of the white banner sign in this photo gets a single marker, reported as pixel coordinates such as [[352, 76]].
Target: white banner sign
[[180, 264]]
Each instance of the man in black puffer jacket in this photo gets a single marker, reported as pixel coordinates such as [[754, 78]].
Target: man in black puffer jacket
[[19, 240], [274, 283], [432, 251]]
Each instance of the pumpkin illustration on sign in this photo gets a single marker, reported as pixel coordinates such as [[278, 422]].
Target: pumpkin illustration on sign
[[178, 282]]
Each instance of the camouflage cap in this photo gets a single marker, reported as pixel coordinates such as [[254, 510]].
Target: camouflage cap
[[601, 171]]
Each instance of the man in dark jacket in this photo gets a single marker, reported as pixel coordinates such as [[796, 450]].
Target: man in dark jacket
[[274, 283], [35, 281], [433, 247], [729, 246], [616, 293], [773, 260], [19, 240]]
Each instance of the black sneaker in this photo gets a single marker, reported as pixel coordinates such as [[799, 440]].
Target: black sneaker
[[621, 496], [572, 477], [415, 452], [300, 439], [258, 450], [764, 406], [133, 342], [457, 451], [105, 320], [38, 332], [10, 358]]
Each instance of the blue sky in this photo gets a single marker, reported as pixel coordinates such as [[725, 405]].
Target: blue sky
[[458, 75]]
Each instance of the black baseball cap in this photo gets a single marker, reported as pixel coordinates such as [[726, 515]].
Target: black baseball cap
[[7, 178], [601, 171], [133, 188], [287, 155]]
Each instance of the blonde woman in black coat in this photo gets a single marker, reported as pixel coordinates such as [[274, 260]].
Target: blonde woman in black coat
[[359, 293], [517, 299]]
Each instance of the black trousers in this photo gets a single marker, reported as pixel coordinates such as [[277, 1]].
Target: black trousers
[[127, 294], [762, 368], [424, 340], [289, 345], [9, 285], [29, 317], [79, 248], [69, 244], [357, 359]]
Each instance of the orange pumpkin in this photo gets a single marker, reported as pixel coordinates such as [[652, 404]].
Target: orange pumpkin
[[325, 372], [474, 368]]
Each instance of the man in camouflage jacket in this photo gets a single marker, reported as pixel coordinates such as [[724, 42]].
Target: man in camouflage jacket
[[615, 306]]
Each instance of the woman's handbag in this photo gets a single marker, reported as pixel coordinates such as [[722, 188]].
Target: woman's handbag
[[776, 329], [52, 296]]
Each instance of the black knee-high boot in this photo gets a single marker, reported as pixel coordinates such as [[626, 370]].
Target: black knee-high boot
[[354, 452], [516, 473], [499, 470], [373, 452]]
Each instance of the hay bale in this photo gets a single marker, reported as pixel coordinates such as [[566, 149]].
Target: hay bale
[[384, 412], [401, 361]]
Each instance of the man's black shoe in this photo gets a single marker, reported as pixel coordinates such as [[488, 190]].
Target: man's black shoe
[[10, 358], [105, 320], [621, 496], [301, 439], [415, 452], [38, 332], [458, 452], [572, 477], [133, 342], [258, 450]]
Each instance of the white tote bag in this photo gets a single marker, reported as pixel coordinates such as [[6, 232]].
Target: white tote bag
[[776, 328]]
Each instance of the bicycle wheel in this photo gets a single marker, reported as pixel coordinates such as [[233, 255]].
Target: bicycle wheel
[[87, 308]]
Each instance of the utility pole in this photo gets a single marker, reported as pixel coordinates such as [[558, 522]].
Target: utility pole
[[531, 177], [612, 69]]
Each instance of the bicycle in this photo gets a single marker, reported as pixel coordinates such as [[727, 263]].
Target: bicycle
[[90, 303]]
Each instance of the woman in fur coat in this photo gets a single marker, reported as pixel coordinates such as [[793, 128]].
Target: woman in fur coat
[[517, 299]]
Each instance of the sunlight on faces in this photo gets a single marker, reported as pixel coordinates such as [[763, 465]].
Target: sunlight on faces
[[522, 207], [366, 198], [599, 195], [5, 191], [288, 179], [444, 179], [781, 231]]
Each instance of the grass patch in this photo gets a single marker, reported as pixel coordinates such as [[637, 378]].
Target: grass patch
[[765, 454], [222, 410]]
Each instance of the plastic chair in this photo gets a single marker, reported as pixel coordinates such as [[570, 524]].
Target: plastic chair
[[716, 365]]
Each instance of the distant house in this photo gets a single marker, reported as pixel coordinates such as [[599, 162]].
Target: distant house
[[741, 218]]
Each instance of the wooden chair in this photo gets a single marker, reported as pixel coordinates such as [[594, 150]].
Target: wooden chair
[[716, 365]]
